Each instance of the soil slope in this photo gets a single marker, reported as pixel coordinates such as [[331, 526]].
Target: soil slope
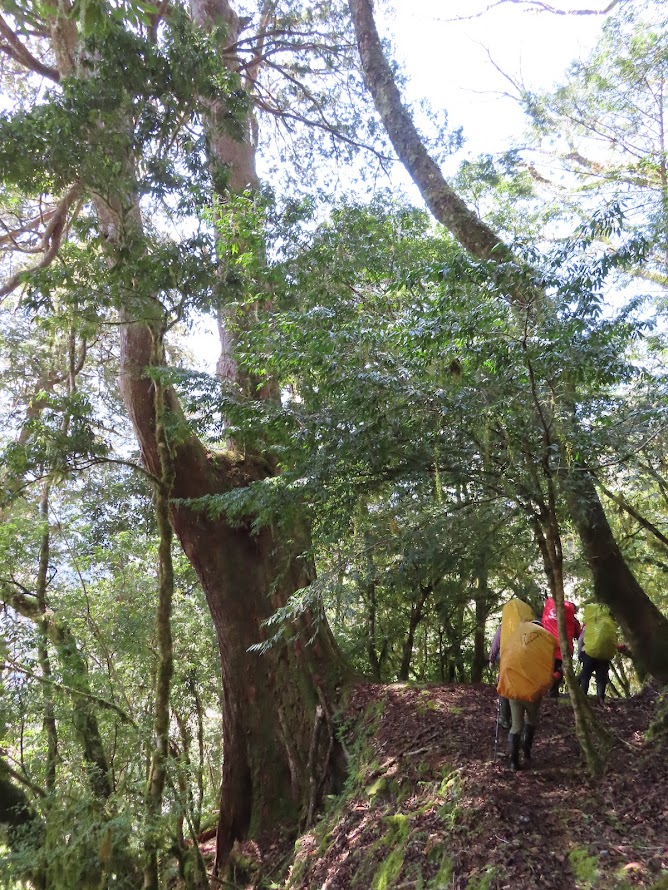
[[429, 806]]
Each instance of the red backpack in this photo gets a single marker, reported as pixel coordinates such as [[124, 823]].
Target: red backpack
[[549, 622]]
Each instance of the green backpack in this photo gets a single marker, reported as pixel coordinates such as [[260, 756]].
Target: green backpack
[[600, 636]]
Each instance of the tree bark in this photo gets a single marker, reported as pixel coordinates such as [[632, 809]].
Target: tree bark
[[644, 626], [614, 583], [157, 776], [49, 720]]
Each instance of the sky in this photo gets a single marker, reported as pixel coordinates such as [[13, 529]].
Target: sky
[[449, 62]]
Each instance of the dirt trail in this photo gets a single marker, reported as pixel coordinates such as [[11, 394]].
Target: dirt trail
[[428, 806]]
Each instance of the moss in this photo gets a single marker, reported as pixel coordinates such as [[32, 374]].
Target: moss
[[584, 867], [485, 880], [389, 870], [425, 705], [443, 876], [377, 788]]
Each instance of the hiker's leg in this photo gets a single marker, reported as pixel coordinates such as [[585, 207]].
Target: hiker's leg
[[554, 691], [588, 667], [517, 713], [602, 669], [532, 709], [504, 712]]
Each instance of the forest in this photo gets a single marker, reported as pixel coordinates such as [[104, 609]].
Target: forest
[[248, 599]]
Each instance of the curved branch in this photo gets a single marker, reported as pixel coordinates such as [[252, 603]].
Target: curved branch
[[51, 240], [21, 54], [442, 200]]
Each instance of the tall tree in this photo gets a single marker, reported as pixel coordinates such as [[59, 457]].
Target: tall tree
[[128, 88]]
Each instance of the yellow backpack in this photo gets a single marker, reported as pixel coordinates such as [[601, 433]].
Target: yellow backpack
[[527, 663], [600, 636], [512, 615]]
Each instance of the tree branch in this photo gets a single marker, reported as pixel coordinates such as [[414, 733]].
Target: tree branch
[[21, 54], [534, 6], [446, 205], [51, 240], [621, 501], [88, 696]]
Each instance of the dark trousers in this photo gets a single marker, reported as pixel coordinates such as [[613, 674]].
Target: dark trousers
[[504, 712], [556, 684], [597, 666]]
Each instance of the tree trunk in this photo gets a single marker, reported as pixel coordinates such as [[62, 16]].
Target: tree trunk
[[587, 729], [614, 583], [417, 613], [482, 598], [157, 776], [644, 626], [49, 719], [270, 700]]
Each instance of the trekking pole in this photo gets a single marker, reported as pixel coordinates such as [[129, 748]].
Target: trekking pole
[[498, 717]]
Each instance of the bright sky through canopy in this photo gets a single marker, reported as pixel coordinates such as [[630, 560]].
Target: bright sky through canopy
[[455, 64], [448, 63]]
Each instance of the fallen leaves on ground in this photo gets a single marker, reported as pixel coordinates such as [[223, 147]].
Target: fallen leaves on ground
[[430, 805]]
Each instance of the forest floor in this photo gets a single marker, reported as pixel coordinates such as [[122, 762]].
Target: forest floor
[[428, 806]]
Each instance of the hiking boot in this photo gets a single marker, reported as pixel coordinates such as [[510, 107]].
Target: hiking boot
[[527, 741], [514, 750]]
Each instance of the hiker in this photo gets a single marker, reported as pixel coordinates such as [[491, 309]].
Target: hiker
[[494, 656], [597, 646], [573, 631], [526, 675], [514, 612]]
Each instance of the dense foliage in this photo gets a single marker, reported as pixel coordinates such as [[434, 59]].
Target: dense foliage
[[423, 426]]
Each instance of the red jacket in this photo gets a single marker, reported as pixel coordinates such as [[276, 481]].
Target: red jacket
[[549, 621]]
